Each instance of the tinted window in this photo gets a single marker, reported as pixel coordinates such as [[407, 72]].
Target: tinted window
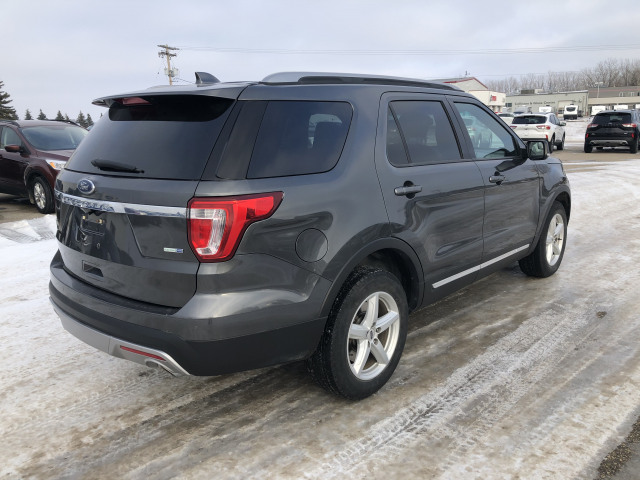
[[529, 120], [54, 137], [605, 118], [423, 130], [164, 136], [297, 138], [488, 136]]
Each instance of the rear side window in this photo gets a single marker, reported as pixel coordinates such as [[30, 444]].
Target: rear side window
[[163, 136], [419, 133], [529, 120], [606, 118], [299, 137]]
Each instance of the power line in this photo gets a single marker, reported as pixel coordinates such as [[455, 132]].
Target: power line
[[489, 51]]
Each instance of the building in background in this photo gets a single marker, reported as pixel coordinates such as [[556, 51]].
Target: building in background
[[494, 100]]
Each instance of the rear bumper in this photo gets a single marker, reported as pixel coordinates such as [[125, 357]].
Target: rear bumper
[[609, 142], [205, 337]]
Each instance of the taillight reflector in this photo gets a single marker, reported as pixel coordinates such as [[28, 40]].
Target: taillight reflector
[[140, 352], [217, 224]]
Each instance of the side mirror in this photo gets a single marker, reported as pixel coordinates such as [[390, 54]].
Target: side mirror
[[537, 150], [562, 124], [13, 148]]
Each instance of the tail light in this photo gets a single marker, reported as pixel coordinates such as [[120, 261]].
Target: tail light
[[543, 127], [592, 125], [629, 125], [217, 224]]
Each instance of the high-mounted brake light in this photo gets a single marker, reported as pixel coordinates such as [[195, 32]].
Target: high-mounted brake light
[[217, 224]]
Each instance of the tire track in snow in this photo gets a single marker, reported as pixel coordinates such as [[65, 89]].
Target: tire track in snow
[[535, 348]]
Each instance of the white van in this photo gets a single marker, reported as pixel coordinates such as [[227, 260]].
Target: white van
[[570, 112]]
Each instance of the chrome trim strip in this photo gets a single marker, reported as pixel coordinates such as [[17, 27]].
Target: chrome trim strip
[[111, 345], [479, 267], [118, 207]]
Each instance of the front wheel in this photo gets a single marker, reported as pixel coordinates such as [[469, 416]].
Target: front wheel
[[42, 195], [545, 260], [364, 336]]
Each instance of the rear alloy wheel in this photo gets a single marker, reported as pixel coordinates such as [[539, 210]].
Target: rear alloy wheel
[[552, 143], [364, 336], [546, 258], [560, 146], [42, 195], [587, 148], [634, 145]]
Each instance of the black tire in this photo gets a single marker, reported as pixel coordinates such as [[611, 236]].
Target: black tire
[[587, 148], [545, 260], [369, 315], [634, 146], [560, 146], [551, 143], [41, 194]]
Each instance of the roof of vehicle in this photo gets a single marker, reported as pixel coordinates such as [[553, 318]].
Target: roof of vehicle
[[626, 110], [35, 123], [207, 84]]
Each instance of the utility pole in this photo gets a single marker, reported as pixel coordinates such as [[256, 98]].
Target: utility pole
[[165, 53]]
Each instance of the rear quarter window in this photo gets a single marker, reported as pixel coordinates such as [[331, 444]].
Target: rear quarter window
[[299, 137]]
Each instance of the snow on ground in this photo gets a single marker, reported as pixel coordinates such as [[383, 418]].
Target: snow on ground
[[510, 378]]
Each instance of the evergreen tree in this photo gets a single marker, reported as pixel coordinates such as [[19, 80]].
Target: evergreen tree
[[81, 120], [89, 120], [42, 116], [6, 112], [27, 115], [66, 118], [59, 116]]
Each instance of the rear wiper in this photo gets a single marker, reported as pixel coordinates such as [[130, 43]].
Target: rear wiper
[[109, 166]]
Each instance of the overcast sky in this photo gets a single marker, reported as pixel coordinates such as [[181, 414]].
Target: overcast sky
[[61, 54]]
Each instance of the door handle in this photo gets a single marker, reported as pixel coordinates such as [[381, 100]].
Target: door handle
[[407, 190], [497, 179]]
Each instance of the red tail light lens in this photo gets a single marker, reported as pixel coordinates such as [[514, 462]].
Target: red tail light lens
[[216, 224], [629, 125]]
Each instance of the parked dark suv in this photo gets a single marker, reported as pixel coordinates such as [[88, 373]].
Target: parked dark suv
[[613, 128], [31, 154], [220, 227]]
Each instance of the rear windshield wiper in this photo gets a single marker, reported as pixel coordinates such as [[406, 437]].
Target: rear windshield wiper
[[109, 166]]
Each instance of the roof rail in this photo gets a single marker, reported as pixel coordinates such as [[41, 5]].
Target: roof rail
[[12, 122], [288, 78]]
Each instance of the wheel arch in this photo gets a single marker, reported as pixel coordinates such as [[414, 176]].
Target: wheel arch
[[390, 254]]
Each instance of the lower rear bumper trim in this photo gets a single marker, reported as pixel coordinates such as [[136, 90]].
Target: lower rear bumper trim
[[120, 348]]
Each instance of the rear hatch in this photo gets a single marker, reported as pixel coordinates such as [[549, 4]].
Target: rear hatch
[[614, 125], [122, 198], [530, 126]]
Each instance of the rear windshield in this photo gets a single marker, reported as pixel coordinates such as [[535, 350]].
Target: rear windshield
[[167, 137], [606, 118], [54, 137], [529, 120]]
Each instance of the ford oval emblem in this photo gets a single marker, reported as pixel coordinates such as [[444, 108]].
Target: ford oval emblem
[[86, 186]]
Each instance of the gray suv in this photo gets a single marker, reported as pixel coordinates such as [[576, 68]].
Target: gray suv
[[221, 227]]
